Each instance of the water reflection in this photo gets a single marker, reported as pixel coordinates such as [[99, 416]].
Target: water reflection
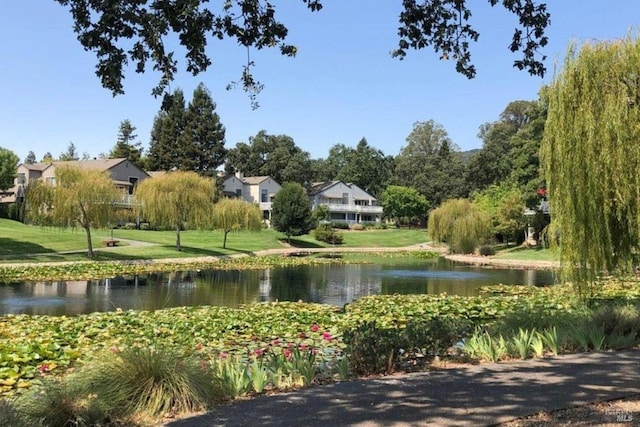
[[328, 284]]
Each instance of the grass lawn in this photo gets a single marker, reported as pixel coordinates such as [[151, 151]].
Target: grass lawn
[[19, 242], [528, 254]]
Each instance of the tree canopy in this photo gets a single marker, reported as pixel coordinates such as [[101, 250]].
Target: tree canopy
[[460, 224], [235, 214], [404, 204], [8, 165], [177, 200], [138, 32], [591, 156], [126, 147], [80, 197], [291, 210]]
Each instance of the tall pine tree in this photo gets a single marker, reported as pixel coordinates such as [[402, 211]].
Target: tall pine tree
[[125, 147], [165, 147]]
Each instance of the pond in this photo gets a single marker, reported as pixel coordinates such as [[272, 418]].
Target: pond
[[335, 284]]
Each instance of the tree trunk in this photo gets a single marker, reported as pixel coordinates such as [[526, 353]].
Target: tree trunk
[[89, 244], [178, 245]]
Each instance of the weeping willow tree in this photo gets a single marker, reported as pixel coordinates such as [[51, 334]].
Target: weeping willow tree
[[591, 158], [80, 197], [460, 224], [177, 200], [235, 214]]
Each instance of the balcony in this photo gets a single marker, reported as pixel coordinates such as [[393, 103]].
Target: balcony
[[353, 208]]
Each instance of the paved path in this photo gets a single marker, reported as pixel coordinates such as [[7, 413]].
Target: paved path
[[480, 395]]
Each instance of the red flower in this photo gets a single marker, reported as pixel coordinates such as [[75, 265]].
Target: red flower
[[287, 353], [223, 355], [44, 368], [315, 327], [327, 336], [257, 352], [275, 342], [303, 347]]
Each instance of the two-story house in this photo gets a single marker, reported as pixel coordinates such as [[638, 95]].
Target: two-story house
[[124, 173], [253, 189], [346, 202]]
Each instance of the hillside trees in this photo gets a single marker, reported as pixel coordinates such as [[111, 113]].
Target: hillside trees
[[591, 159], [177, 200], [70, 154], [187, 137], [430, 163], [135, 32], [276, 156], [81, 197]]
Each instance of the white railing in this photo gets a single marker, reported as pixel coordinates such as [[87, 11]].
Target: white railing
[[367, 209]]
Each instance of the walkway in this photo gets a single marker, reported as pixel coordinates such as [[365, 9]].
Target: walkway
[[480, 395]]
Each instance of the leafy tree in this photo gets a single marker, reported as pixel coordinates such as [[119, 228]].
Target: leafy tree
[[366, 167], [47, 157], [205, 135], [8, 166], [274, 155], [404, 204], [430, 163], [125, 147], [291, 211], [30, 159], [591, 156], [167, 134], [503, 204], [70, 154], [495, 162], [134, 32], [81, 197], [235, 214], [177, 200], [460, 224]]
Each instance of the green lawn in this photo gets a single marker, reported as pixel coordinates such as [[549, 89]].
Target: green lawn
[[528, 254], [19, 242]]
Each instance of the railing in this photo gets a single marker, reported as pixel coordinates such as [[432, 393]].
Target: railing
[[339, 207]]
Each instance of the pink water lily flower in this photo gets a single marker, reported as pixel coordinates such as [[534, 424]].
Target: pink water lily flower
[[315, 327], [327, 336]]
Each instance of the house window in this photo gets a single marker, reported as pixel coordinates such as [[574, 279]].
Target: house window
[[134, 181], [345, 198], [51, 181], [21, 178], [264, 195], [238, 192]]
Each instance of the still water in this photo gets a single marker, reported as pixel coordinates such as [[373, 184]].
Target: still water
[[335, 284]]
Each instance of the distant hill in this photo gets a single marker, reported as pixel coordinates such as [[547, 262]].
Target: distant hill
[[467, 155]]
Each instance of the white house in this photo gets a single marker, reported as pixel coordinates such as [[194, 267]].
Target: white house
[[346, 202], [253, 189]]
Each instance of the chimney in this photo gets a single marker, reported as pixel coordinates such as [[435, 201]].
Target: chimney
[[239, 175]]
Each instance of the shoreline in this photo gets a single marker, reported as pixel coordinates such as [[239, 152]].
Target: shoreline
[[480, 260]]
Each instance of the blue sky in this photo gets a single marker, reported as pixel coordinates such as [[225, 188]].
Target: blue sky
[[342, 86]]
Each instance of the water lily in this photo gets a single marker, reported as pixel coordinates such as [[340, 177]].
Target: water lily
[[315, 327]]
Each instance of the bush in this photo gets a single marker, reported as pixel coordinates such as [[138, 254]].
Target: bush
[[324, 233], [153, 382], [356, 227], [9, 415], [372, 350], [145, 226], [342, 225], [433, 337], [130, 226], [487, 250]]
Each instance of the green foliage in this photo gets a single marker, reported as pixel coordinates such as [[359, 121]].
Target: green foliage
[[487, 250], [81, 197], [588, 150], [460, 224], [8, 166], [430, 163], [404, 204], [504, 205], [70, 155], [276, 156], [235, 214], [176, 199], [483, 345], [325, 233], [291, 211], [522, 342], [10, 416], [153, 382], [372, 349], [125, 147]]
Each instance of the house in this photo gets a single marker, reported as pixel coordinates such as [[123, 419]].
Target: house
[[346, 202], [253, 189], [124, 173]]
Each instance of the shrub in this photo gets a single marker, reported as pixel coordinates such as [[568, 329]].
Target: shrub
[[62, 403], [9, 415], [342, 225], [153, 382], [145, 226], [373, 350], [356, 227], [487, 250], [433, 337], [130, 226], [325, 233]]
